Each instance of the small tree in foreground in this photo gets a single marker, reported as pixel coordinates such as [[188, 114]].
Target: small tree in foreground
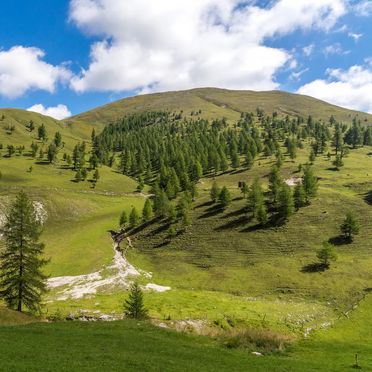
[[350, 227], [326, 254], [214, 192], [123, 220], [21, 280], [224, 197], [133, 306]]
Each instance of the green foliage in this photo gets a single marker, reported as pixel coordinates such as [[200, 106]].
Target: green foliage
[[338, 162], [147, 211], [285, 202], [350, 226], [22, 282], [299, 196], [134, 217], [224, 197], [256, 202], [327, 254], [214, 192], [123, 220], [310, 183], [134, 306]]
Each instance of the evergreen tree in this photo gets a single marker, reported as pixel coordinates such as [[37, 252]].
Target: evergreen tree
[[133, 306], [214, 192], [299, 196], [275, 184], [21, 280], [256, 203], [310, 183], [338, 162], [350, 226], [224, 197], [58, 139], [147, 211], [134, 217], [42, 133], [245, 189], [96, 176], [161, 203], [52, 153], [285, 202], [123, 220], [326, 254]]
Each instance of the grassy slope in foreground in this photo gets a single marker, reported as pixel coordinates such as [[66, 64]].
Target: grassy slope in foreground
[[217, 103], [136, 346]]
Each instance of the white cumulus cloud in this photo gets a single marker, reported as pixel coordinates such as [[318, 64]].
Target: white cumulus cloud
[[149, 45], [350, 88], [23, 69], [363, 8], [57, 112]]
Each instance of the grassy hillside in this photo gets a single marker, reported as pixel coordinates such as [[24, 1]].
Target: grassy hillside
[[133, 346], [13, 128], [217, 103]]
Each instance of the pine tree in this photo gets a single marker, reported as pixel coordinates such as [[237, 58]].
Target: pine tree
[[299, 196], [338, 162], [133, 306], [214, 192], [123, 220], [275, 184], [285, 202], [134, 217], [256, 203], [310, 183], [21, 280], [96, 176], [350, 226], [326, 254], [224, 197], [147, 211]]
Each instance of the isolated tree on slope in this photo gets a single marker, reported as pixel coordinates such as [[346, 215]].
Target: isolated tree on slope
[[147, 211], [21, 280], [326, 254], [224, 197], [133, 306], [350, 227]]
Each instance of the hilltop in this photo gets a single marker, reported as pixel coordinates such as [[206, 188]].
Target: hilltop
[[216, 103]]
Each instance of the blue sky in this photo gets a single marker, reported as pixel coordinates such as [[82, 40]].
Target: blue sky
[[60, 57]]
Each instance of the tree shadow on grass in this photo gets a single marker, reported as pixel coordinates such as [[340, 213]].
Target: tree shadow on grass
[[242, 220], [339, 240], [159, 230], [206, 204], [368, 197], [236, 213], [333, 169], [315, 267], [212, 211]]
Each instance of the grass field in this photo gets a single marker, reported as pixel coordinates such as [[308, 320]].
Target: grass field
[[132, 346]]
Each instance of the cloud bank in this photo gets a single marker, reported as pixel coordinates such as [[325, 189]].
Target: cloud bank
[[57, 112], [162, 45], [23, 69]]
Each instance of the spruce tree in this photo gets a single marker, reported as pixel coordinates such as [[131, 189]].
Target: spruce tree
[[147, 211], [256, 202], [22, 282], [134, 217], [224, 197], [326, 254], [310, 183], [214, 192], [285, 202], [123, 220], [350, 226], [133, 306], [299, 196]]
